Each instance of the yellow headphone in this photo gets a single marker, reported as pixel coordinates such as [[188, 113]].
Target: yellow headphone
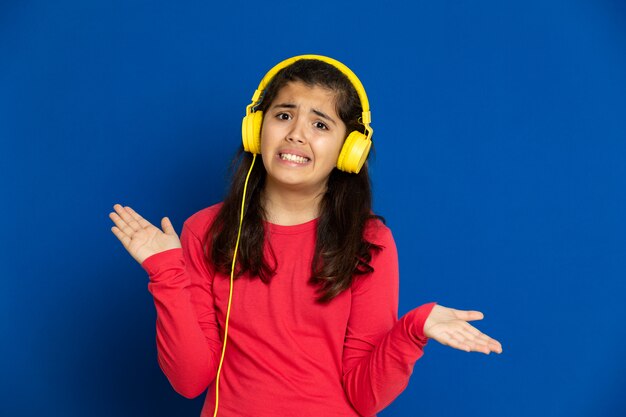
[[356, 146]]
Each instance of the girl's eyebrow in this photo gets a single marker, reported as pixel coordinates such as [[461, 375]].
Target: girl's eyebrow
[[284, 106], [324, 116], [293, 106]]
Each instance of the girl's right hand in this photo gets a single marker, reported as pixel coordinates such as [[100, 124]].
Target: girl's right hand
[[140, 238]]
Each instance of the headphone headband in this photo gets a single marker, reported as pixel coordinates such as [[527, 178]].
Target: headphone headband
[[366, 116]]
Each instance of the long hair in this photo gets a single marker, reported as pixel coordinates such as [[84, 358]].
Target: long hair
[[341, 251]]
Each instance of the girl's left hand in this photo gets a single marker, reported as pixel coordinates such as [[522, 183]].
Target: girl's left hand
[[450, 327]]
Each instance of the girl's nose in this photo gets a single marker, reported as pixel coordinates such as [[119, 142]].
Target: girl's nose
[[298, 132]]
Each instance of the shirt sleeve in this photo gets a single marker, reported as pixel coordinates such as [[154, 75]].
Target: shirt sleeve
[[187, 333], [380, 350]]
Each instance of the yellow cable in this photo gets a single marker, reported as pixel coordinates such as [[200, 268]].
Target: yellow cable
[[230, 294]]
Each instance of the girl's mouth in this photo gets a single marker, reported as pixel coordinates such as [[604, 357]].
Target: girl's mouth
[[293, 158]]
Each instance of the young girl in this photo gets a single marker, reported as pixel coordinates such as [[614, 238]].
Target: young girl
[[310, 327]]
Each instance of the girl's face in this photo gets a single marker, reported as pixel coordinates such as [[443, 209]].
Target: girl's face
[[301, 138]]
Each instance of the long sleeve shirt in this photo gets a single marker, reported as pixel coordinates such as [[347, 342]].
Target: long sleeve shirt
[[286, 354]]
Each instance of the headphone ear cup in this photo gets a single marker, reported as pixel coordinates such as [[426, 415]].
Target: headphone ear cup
[[354, 152], [251, 132]]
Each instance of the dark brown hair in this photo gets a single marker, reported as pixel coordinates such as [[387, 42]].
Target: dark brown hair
[[341, 251]]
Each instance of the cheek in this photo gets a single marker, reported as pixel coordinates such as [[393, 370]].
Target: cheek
[[331, 151], [339, 144]]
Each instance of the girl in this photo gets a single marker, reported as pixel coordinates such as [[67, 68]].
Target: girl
[[309, 325]]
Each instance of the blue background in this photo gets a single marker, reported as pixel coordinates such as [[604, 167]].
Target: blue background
[[500, 165]]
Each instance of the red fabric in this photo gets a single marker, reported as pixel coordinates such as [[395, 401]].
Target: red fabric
[[286, 355]]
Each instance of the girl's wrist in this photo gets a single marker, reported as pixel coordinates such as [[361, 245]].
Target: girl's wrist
[[417, 321]]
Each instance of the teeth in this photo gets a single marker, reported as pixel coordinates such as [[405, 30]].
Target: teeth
[[293, 158]]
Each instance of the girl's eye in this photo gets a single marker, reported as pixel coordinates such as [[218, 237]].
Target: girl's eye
[[321, 125], [282, 116]]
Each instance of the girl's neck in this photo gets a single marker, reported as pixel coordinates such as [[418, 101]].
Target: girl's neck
[[290, 207]]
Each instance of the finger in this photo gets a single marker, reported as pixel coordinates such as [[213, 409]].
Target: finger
[[489, 343], [167, 226], [477, 334], [142, 222], [482, 338], [475, 344], [122, 225], [473, 330], [469, 315], [495, 346], [121, 236], [124, 216], [474, 335], [127, 217]]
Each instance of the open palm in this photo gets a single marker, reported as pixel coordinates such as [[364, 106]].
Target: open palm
[[450, 327], [140, 238]]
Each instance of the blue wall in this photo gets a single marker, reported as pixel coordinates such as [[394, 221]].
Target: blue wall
[[500, 132]]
